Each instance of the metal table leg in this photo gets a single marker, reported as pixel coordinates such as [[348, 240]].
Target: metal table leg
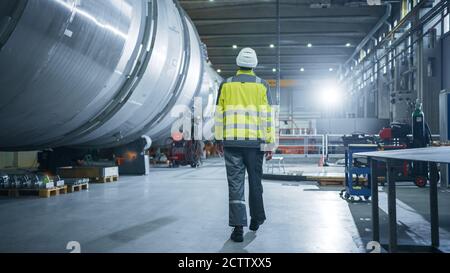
[[392, 210], [375, 208], [434, 211]]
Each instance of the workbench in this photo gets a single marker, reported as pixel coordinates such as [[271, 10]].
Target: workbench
[[432, 155]]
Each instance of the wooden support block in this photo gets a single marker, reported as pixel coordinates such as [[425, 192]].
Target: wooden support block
[[106, 179], [79, 187]]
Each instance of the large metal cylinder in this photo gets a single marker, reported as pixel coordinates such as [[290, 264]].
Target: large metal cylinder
[[96, 73]]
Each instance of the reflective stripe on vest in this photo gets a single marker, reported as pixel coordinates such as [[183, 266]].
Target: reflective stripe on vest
[[243, 111]]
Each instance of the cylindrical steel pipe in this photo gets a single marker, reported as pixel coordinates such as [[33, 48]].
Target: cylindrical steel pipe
[[96, 73]]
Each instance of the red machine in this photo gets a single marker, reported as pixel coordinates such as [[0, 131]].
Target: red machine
[[396, 137], [186, 153]]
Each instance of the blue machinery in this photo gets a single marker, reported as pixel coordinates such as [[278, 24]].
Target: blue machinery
[[357, 173]]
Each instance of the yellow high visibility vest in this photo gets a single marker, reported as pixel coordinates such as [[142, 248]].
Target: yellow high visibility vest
[[244, 115]]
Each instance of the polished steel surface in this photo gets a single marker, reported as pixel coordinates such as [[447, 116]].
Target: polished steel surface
[[97, 73], [429, 154]]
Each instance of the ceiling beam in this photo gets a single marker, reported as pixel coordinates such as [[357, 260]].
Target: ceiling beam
[[296, 70], [286, 46], [295, 65], [285, 42], [310, 62], [206, 5], [321, 55], [285, 34], [368, 19]]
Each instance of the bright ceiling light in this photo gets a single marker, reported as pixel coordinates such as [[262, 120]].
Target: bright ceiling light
[[272, 45], [302, 69], [330, 95], [234, 46], [331, 69], [348, 44], [274, 70], [309, 45], [219, 70]]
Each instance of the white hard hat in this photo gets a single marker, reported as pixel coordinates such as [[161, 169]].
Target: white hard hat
[[247, 58]]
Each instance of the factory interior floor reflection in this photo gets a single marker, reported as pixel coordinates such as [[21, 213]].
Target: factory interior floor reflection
[[186, 210]]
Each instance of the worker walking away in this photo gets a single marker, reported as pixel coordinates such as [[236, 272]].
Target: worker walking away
[[244, 128]]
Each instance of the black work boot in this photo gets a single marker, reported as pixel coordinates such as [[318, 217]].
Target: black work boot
[[254, 225], [238, 234]]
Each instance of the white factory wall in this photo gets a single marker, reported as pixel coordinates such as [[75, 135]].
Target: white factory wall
[[350, 125], [303, 109]]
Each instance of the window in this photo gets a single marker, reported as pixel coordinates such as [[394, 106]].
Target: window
[[447, 23]]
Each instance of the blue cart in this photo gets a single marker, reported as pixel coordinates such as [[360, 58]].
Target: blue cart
[[357, 173]]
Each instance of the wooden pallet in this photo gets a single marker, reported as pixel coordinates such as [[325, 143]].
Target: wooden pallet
[[331, 181], [79, 187], [106, 179], [325, 180], [44, 193]]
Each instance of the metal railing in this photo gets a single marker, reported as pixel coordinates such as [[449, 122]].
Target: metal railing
[[334, 145], [316, 145], [307, 145], [297, 131]]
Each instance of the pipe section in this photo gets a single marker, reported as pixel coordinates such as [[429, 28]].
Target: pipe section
[[96, 73]]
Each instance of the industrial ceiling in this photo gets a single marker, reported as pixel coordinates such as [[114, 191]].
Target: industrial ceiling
[[316, 36]]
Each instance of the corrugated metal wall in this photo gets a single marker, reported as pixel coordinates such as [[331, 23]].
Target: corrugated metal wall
[[446, 62], [431, 69]]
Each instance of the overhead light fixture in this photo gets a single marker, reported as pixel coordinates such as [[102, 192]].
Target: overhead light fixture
[[272, 45], [309, 45], [348, 44], [302, 69], [274, 70], [218, 70], [331, 69], [234, 46]]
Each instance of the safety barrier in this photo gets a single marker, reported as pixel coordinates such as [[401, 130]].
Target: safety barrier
[[314, 145]]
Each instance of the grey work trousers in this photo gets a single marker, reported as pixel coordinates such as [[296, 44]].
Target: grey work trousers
[[237, 160]]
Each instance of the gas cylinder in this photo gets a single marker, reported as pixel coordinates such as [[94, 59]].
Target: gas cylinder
[[420, 169], [418, 127]]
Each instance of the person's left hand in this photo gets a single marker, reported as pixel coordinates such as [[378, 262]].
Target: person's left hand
[[219, 148]]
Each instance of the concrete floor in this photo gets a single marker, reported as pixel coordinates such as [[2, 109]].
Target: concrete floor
[[186, 210]]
